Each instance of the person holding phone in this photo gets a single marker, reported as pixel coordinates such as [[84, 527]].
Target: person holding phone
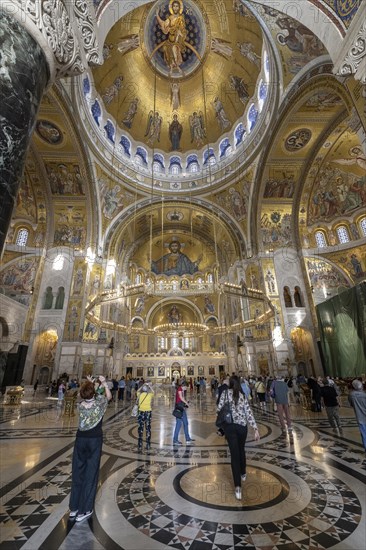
[[88, 449], [181, 402]]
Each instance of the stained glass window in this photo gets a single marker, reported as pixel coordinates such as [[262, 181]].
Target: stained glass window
[[320, 239], [343, 235], [22, 237]]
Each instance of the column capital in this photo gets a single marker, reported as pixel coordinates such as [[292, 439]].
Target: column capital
[[352, 56], [66, 31]]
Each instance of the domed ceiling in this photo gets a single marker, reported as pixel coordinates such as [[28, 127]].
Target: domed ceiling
[[176, 79]]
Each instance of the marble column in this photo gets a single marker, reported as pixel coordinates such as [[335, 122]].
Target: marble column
[[23, 77]]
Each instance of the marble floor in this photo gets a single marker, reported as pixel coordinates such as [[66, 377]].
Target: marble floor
[[304, 490]]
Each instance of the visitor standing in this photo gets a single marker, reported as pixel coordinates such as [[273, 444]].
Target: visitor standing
[[179, 422], [260, 388], [121, 388], [357, 400], [331, 404], [144, 402], [279, 391], [315, 393], [236, 432], [88, 449]]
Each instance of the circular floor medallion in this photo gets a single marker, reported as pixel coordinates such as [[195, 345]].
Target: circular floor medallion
[[212, 485]]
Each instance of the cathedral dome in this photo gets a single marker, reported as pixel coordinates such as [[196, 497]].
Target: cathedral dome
[[182, 91]]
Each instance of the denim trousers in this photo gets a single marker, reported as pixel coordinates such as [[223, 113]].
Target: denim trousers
[[178, 424], [85, 473], [236, 436], [363, 433]]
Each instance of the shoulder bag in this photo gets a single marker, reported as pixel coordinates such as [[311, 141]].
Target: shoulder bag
[[135, 408], [178, 411], [224, 416]]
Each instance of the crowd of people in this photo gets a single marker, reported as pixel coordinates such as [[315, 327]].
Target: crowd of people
[[238, 395]]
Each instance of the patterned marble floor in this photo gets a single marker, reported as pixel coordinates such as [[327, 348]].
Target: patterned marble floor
[[304, 491]]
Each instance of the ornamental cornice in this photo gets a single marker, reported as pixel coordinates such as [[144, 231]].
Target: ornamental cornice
[[352, 56], [66, 32]]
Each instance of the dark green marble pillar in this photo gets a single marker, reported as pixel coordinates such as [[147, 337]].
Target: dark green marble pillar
[[23, 77]]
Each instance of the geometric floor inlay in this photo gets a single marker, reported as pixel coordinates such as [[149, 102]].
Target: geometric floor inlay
[[330, 515]]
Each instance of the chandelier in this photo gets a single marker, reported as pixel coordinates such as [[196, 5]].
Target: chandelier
[[161, 285]]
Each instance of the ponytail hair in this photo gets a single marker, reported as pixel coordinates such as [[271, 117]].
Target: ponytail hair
[[234, 384]]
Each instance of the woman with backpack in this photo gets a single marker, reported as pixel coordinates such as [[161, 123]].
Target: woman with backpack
[[236, 432]]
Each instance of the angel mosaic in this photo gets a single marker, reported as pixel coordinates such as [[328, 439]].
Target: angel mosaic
[[128, 44], [222, 47], [247, 50], [198, 130], [153, 127], [130, 113], [221, 116], [238, 84], [112, 91], [112, 201]]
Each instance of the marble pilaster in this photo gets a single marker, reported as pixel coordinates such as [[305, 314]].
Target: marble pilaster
[[23, 78]]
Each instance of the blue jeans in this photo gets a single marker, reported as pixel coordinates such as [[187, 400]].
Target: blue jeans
[[363, 434], [178, 425]]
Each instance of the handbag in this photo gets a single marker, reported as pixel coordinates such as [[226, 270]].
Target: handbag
[[178, 411], [135, 408], [224, 415]]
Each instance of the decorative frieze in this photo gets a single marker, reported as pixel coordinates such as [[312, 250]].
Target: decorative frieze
[[352, 57], [355, 60], [65, 30]]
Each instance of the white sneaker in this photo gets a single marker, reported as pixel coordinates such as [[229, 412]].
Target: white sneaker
[[73, 513], [244, 477], [238, 493], [81, 517]]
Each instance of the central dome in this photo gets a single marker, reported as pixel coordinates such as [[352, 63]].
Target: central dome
[[176, 80], [175, 37]]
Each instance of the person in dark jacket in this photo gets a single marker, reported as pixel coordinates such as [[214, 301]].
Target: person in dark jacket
[[330, 399], [315, 393]]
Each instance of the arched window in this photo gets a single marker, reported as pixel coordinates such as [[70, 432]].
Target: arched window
[[22, 237], [287, 297], [343, 235], [157, 167], [239, 133], [363, 226], [298, 297], [321, 241], [162, 343], [60, 298], [126, 145], [174, 169], [138, 278], [252, 116], [193, 167], [48, 298]]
